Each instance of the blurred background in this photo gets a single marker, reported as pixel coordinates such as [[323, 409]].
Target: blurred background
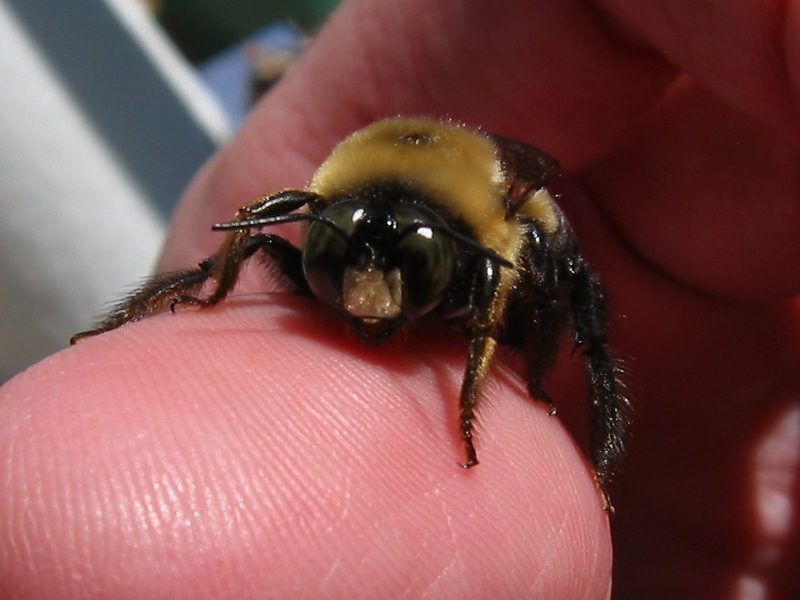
[[107, 109]]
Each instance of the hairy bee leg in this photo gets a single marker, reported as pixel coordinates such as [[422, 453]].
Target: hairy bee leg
[[240, 246], [156, 293], [175, 288], [226, 264], [481, 351], [486, 310], [609, 403], [542, 341]]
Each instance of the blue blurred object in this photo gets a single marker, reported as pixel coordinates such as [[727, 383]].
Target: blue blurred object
[[230, 74]]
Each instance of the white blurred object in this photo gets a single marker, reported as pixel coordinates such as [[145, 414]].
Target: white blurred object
[[100, 129]]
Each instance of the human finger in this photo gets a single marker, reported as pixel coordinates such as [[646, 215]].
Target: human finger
[[252, 451]]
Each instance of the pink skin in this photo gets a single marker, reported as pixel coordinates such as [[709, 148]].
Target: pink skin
[[253, 450]]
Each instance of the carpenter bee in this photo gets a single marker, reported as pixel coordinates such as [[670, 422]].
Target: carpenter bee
[[412, 218]]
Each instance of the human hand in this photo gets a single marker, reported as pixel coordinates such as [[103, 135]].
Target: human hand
[[254, 451]]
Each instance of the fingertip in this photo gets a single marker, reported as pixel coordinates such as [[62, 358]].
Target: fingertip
[[253, 447]]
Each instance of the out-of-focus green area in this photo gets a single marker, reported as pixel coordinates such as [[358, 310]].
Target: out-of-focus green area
[[201, 28]]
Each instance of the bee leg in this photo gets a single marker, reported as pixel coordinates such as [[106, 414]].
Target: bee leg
[[542, 340], [481, 351], [224, 266], [545, 321], [486, 308], [241, 244], [287, 257], [156, 293], [174, 288], [178, 287], [609, 403]]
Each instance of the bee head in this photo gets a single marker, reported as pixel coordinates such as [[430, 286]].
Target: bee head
[[383, 264]]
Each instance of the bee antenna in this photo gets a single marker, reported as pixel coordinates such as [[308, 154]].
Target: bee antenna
[[277, 220]]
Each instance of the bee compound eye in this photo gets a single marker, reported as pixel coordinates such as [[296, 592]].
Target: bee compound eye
[[327, 247], [425, 257]]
